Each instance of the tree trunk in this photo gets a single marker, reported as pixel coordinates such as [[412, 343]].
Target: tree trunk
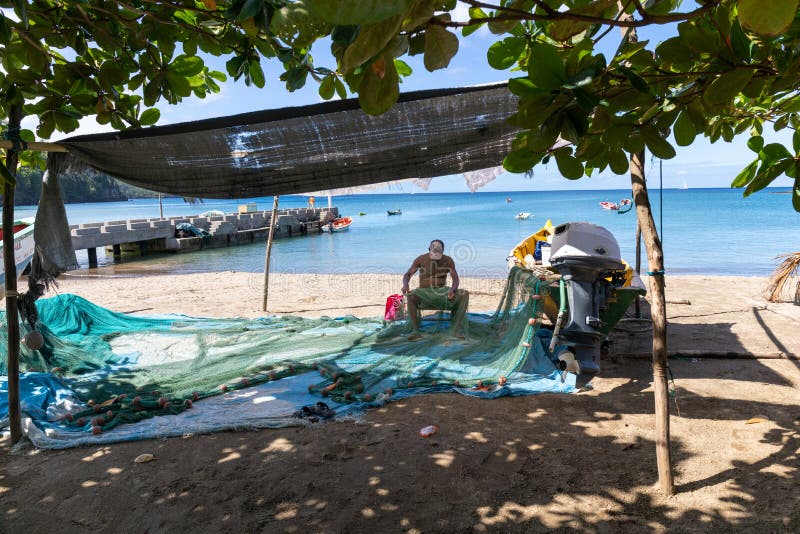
[[10, 270], [655, 259], [638, 300]]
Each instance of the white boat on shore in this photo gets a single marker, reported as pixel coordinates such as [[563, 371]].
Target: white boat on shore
[[24, 246], [522, 216]]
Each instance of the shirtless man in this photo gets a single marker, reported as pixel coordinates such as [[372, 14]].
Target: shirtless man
[[433, 291]]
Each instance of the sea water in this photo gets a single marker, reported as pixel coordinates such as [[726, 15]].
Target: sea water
[[704, 231]]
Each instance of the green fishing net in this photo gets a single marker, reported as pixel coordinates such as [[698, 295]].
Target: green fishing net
[[128, 367]]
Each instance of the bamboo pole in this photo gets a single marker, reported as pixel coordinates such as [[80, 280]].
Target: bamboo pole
[[10, 270], [658, 311], [272, 221], [37, 146]]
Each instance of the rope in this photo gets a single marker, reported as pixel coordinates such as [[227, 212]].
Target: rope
[[674, 391]]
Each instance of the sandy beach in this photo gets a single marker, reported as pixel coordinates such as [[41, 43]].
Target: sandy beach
[[584, 461]]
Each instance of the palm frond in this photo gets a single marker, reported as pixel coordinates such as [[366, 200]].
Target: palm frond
[[782, 278]]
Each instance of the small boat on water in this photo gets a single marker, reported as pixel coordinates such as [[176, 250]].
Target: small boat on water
[[614, 206], [362, 213], [522, 216], [338, 225], [394, 212], [24, 246]]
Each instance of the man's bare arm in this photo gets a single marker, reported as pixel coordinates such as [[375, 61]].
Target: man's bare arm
[[454, 284], [407, 277]]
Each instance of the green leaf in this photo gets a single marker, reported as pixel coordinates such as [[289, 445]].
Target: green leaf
[[403, 68], [544, 137], [150, 116], [755, 143], [499, 27], [178, 84], [521, 160], [746, 176], [357, 11], [377, 94], [5, 30], [771, 20], [633, 143], [112, 74], [725, 87], [522, 87], [545, 66], [562, 30], [568, 166], [773, 152], [766, 175], [235, 66], [22, 11], [340, 88], [187, 66], [636, 81], [698, 37], [466, 31], [796, 194], [250, 9], [657, 145], [327, 88], [420, 13], [257, 73], [740, 43], [796, 142], [27, 136], [616, 134], [503, 54], [618, 161], [440, 47], [344, 35], [370, 42]]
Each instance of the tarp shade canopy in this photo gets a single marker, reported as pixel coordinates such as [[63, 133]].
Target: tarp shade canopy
[[318, 147]]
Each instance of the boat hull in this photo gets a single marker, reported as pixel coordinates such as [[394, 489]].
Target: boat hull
[[24, 248], [338, 225]]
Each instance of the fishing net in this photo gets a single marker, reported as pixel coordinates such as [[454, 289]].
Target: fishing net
[[125, 368]]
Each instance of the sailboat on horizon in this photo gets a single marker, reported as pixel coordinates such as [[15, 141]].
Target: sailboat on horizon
[[684, 186]]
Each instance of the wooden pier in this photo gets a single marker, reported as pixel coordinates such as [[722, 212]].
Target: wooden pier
[[144, 236]]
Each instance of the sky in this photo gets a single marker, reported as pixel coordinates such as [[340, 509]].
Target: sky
[[699, 165]]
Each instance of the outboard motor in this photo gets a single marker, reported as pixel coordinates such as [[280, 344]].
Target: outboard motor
[[584, 254]]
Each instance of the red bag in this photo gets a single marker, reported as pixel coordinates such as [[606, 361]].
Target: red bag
[[395, 308]]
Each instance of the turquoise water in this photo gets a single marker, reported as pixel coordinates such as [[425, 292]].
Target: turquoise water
[[705, 231]]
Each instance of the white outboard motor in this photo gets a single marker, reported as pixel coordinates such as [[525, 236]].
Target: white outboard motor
[[584, 254]]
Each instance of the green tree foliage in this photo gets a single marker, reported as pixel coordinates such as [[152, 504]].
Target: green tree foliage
[[730, 68], [75, 188], [118, 60]]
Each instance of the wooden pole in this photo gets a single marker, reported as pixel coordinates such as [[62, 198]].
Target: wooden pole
[[10, 270], [160, 207], [272, 222], [658, 311]]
